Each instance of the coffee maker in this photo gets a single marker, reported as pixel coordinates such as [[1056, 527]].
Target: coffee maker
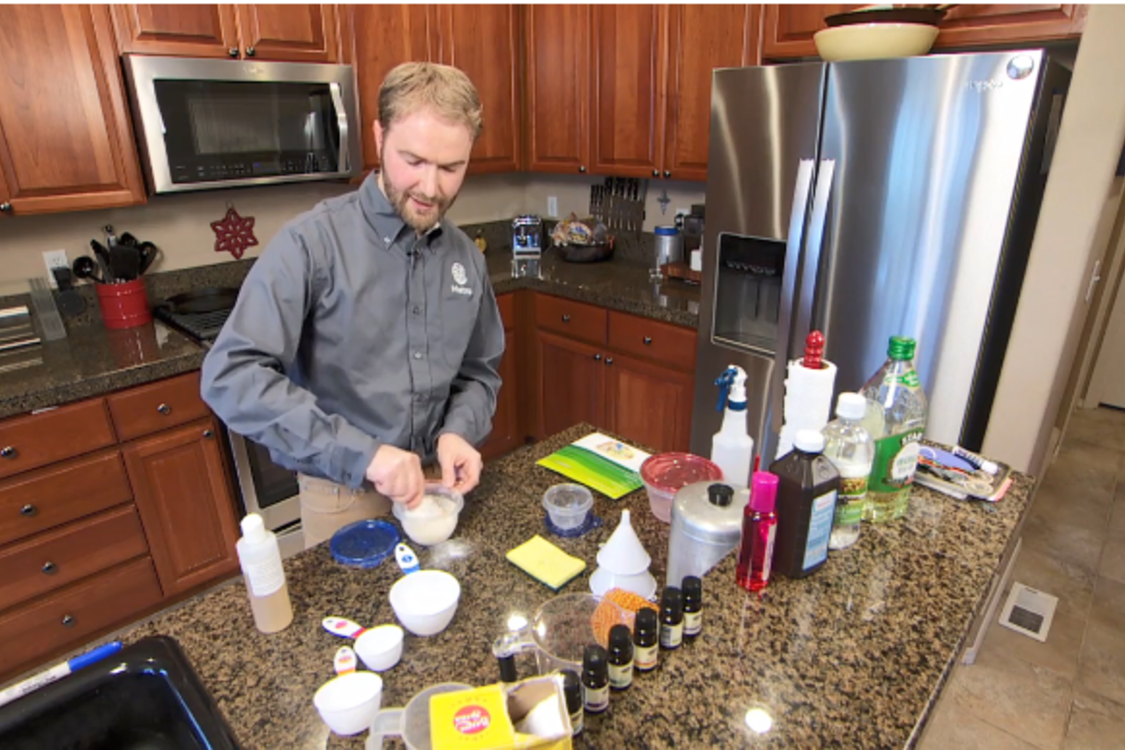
[[527, 246]]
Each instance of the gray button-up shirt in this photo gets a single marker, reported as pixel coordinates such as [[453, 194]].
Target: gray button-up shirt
[[351, 332]]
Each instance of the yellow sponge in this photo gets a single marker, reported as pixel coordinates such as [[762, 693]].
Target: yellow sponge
[[545, 562]]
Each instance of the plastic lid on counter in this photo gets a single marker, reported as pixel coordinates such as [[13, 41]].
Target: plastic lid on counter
[[364, 544]]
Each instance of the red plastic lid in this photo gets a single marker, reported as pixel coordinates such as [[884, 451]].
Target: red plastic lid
[[671, 472]]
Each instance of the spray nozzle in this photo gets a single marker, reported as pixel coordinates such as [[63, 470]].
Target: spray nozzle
[[732, 387]]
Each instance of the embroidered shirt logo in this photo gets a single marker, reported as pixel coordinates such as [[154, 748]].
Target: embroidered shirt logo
[[459, 280]]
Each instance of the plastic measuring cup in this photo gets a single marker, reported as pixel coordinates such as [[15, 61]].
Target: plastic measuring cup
[[411, 723]]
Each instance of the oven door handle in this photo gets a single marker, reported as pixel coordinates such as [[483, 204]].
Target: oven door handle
[[342, 164]]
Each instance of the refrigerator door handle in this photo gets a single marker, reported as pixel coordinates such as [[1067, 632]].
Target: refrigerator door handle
[[811, 268], [784, 318]]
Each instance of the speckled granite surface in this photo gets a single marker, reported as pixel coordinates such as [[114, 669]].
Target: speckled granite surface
[[851, 657]]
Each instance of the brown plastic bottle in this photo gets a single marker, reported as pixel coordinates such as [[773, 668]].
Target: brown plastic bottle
[[806, 506]]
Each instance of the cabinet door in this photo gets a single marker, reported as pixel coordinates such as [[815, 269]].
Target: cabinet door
[[557, 52], [291, 33], [381, 37], [701, 38], [629, 52], [966, 25], [505, 423], [65, 139], [189, 30], [186, 506], [482, 40], [788, 29], [569, 383], [648, 404]]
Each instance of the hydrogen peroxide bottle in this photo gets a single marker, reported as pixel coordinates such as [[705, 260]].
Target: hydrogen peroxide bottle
[[806, 506]]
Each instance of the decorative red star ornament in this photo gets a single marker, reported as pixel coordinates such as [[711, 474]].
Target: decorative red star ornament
[[234, 233]]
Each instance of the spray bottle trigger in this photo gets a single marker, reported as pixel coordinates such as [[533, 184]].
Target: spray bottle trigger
[[724, 382]]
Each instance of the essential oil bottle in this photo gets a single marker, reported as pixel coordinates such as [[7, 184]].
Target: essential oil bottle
[[595, 679], [671, 618], [645, 640], [693, 607]]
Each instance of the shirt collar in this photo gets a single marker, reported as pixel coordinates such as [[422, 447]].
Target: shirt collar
[[383, 217]]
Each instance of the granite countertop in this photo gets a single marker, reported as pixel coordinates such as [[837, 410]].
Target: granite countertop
[[853, 656], [93, 361]]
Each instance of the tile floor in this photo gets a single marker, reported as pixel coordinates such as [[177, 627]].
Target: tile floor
[[1069, 692]]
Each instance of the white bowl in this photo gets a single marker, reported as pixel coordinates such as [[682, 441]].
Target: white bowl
[[431, 523], [348, 703], [642, 584], [381, 647], [874, 41], [424, 602]]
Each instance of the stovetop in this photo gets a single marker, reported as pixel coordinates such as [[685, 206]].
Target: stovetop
[[201, 327]]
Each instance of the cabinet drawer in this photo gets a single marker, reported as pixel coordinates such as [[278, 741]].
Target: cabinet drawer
[[671, 346], [62, 556], [72, 615], [60, 494], [40, 439], [154, 407], [507, 305], [573, 319]]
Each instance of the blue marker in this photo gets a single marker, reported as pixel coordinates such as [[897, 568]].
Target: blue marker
[[57, 672]]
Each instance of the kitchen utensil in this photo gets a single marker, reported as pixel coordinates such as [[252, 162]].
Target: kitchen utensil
[[110, 237], [411, 723], [124, 262], [101, 252], [349, 702], [667, 473], [568, 505], [623, 553], [706, 526], [209, 299], [435, 519], [148, 253], [931, 16], [380, 648], [343, 627], [642, 584], [874, 41], [344, 663], [586, 253], [364, 544], [48, 315], [85, 267], [424, 601], [559, 632]]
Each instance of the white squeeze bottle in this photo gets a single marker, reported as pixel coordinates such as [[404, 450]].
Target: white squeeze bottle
[[260, 558], [732, 448]]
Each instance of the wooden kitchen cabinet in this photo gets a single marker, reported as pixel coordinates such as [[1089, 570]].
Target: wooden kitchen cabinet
[[290, 33], [483, 41], [701, 38], [787, 30], [185, 502], [647, 403], [381, 37], [569, 386], [557, 54], [507, 422], [65, 139]]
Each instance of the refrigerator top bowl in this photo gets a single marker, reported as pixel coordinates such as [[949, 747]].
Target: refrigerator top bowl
[[874, 41]]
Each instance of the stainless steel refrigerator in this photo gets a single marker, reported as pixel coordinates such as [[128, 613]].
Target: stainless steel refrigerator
[[869, 199]]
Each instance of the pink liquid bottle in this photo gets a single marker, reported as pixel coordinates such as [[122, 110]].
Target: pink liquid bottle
[[759, 525]]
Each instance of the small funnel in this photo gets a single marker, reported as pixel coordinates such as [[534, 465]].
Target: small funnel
[[624, 554]]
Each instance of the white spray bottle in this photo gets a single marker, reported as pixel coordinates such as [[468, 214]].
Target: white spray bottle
[[732, 448]]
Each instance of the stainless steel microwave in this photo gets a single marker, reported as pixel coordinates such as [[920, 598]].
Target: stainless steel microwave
[[204, 124]]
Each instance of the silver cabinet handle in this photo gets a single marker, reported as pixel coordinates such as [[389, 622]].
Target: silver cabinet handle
[[164, 409], [249, 51], [565, 318], [609, 360], [9, 451], [208, 434], [597, 358], [28, 510], [6, 207], [68, 621], [811, 256], [582, 169], [50, 568], [647, 340]]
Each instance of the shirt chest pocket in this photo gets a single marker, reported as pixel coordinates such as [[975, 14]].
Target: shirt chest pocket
[[458, 317]]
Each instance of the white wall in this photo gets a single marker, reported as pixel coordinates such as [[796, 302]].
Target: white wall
[[1052, 308]]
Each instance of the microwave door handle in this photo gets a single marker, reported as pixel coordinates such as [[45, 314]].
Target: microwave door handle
[[775, 412], [342, 124], [813, 247]]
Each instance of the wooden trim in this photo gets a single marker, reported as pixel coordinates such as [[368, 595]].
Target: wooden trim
[[752, 39]]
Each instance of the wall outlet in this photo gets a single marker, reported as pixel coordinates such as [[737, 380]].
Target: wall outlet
[[55, 259], [552, 206]]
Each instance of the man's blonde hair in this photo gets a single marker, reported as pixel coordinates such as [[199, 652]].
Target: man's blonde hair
[[412, 86]]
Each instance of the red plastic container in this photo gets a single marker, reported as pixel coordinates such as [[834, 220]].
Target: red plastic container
[[665, 474], [124, 305]]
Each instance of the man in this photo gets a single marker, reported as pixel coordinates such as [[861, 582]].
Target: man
[[366, 338]]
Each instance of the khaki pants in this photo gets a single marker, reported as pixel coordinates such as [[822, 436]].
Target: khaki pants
[[327, 507]]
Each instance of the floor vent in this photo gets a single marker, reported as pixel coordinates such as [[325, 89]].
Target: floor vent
[[1029, 611]]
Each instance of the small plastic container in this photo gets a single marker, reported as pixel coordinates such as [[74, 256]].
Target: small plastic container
[[568, 505], [665, 474], [431, 522]]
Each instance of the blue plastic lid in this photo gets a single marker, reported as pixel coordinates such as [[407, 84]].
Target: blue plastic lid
[[364, 544], [667, 230]]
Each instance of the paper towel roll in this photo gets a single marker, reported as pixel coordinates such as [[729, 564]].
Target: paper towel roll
[[808, 401]]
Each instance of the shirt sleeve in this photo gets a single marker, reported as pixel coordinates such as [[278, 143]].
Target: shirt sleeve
[[246, 380], [472, 401]]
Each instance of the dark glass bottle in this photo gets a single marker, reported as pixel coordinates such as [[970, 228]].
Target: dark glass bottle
[[595, 679], [693, 607], [572, 690], [620, 657], [645, 640], [671, 618], [806, 506]]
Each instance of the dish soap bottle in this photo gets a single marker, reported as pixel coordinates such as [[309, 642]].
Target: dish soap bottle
[[260, 558], [852, 451], [807, 484], [896, 419], [732, 448]]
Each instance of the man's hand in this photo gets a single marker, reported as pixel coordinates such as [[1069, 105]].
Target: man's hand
[[460, 463], [397, 474]]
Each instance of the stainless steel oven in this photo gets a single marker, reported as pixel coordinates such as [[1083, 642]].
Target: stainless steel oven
[[270, 491]]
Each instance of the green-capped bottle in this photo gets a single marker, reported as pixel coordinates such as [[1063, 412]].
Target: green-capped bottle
[[896, 418]]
